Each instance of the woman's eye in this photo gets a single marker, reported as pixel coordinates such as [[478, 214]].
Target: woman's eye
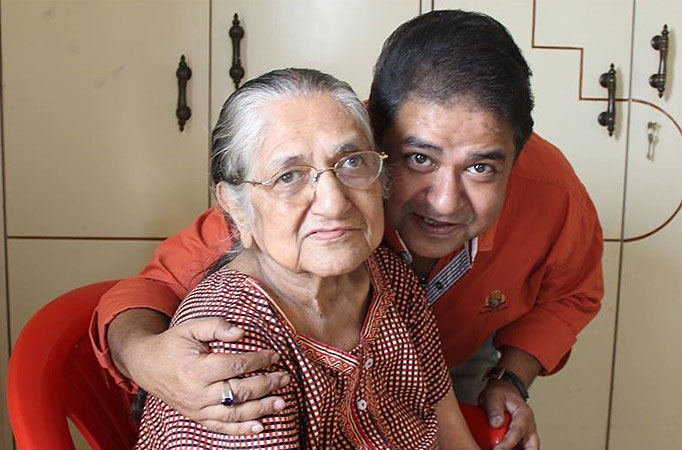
[[352, 162], [289, 177], [481, 169]]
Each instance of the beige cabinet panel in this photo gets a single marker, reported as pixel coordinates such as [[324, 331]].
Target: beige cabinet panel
[[40, 270], [561, 116], [647, 391], [341, 37], [571, 407], [654, 183], [92, 145]]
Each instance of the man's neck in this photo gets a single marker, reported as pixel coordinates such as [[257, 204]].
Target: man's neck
[[423, 266]]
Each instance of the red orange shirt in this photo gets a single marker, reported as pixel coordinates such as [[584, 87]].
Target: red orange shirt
[[535, 282], [378, 395]]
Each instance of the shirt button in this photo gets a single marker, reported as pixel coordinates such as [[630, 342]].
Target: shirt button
[[439, 285], [369, 362], [362, 404]]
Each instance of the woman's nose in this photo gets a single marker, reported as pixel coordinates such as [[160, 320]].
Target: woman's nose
[[330, 195]]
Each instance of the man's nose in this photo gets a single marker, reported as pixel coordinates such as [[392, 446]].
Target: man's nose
[[445, 194]]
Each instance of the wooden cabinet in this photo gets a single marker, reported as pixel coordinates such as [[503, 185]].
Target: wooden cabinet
[[647, 381], [92, 145], [340, 37]]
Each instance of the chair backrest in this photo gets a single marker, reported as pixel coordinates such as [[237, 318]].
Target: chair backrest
[[477, 420], [53, 374]]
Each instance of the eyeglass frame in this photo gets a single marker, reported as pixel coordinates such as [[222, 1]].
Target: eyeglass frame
[[316, 172]]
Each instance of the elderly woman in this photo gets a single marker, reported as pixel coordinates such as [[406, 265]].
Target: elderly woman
[[295, 168]]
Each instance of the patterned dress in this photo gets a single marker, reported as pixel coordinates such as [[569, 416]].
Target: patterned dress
[[379, 395]]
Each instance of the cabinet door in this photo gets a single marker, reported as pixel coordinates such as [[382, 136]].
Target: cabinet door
[[341, 37], [647, 390], [92, 145], [42, 269]]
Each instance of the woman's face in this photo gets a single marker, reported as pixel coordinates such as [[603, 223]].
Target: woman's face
[[328, 228]]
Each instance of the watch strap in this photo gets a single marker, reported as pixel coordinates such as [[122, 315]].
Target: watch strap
[[502, 373]]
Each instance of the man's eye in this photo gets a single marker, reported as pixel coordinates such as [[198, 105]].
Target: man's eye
[[481, 169], [419, 162], [419, 159]]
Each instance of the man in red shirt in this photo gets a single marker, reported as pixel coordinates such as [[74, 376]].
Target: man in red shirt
[[491, 217]]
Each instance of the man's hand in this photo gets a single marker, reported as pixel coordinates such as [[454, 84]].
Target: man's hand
[[176, 366], [500, 396]]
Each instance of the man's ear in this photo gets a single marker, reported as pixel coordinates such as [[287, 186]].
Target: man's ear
[[237, 215]]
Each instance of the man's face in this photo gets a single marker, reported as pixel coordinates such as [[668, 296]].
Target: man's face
[[450, 166]]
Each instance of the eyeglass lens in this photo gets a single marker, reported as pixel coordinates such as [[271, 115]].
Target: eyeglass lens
[[358, 170]]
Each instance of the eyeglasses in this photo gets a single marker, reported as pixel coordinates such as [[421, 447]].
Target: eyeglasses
[[357, 171]]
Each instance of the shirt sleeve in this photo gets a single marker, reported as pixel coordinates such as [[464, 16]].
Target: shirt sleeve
[[177, 266], [570, 292], [164, 427]]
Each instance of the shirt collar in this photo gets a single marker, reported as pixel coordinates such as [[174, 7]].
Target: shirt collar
[[473, 246], [487, 239]]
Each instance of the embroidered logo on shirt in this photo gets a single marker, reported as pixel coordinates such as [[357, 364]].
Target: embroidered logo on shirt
[[495, 299]]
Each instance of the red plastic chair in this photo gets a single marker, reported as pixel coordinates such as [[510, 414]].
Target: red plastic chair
[[477, 420], [53, 374]]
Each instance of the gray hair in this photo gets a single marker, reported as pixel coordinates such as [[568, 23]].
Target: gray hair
[[238, 135]]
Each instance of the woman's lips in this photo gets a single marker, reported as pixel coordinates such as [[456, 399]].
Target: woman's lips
[[435, 227], [329, 234]]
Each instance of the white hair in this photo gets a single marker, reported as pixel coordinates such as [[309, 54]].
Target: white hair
[[239, 133]]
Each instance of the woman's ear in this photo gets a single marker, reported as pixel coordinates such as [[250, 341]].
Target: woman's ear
[[237, 215]]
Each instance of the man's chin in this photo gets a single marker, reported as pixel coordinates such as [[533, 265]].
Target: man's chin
[[433, 248]]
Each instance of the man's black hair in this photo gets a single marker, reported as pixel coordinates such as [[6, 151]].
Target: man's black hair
[[451, 56]]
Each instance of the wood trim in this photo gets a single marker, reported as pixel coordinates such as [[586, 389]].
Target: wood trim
[[6, 437], [87, 238]]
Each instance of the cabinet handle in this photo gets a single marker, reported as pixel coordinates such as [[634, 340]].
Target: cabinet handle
[[183, 112], [608, 118], [660, 43], [236, 34]]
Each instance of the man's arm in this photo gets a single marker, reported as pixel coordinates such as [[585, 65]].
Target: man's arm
[[129, 334], [539, 342]]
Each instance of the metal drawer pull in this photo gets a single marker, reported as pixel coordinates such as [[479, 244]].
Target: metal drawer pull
[[608, 118], [236, 34], [660, 43], [183, 112]]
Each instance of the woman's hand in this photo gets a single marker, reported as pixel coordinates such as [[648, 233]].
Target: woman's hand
[[176, 366]]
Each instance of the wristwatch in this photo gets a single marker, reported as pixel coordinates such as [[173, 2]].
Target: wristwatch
[[502, 373]]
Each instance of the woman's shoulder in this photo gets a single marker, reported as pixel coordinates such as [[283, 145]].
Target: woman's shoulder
[[391, 268], [226, 293]]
